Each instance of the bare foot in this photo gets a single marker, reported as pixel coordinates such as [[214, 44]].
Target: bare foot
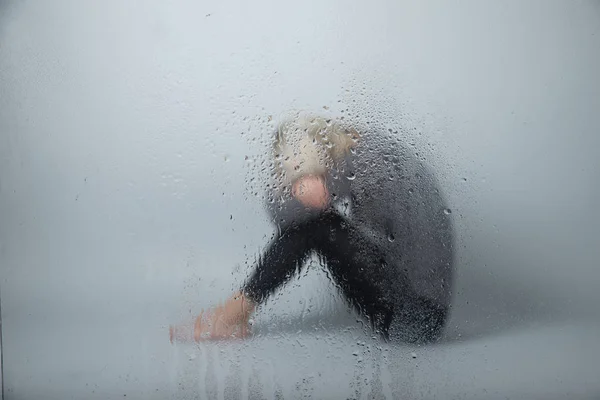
[[226, 321]]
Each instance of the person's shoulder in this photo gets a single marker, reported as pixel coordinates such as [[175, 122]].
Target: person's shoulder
[[378, 145]]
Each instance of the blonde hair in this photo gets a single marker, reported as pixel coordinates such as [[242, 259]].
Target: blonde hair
[[307, 144]]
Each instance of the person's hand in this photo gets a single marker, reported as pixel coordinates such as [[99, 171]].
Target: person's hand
[[311, 191], [226, 321]]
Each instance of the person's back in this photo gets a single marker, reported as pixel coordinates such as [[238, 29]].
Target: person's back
[[397, 199]]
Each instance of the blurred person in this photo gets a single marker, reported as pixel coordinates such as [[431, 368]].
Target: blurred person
[[373, 214]]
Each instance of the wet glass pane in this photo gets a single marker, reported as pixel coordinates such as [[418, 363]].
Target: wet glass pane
[[428, 171]]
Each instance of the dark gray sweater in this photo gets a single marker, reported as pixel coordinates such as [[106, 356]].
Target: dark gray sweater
[[393, 198]]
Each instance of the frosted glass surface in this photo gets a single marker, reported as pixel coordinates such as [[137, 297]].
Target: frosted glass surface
[[131, 142]]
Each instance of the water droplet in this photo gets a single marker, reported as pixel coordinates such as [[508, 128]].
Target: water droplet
[[351, 176], [447, 211], [391, 238], [355, 353], [413, 354], [464, 179]]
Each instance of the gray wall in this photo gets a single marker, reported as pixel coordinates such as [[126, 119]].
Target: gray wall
[[132, 138]]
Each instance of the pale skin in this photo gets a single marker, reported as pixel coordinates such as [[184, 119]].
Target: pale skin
[[230, 320]]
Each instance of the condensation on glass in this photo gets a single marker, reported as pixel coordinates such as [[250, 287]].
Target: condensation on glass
[[134, 155]]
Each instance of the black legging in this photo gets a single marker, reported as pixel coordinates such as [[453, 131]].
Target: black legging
[[370, 282]]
